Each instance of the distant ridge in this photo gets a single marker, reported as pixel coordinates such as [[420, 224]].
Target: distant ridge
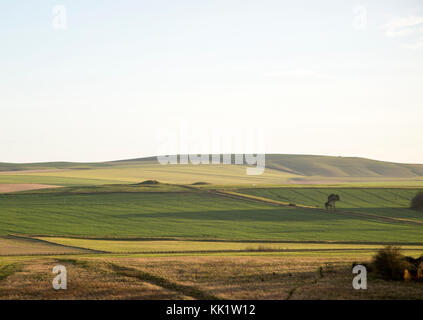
[[328, 166], [302, 165]]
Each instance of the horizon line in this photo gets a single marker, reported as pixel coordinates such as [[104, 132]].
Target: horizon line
[[155, 156]]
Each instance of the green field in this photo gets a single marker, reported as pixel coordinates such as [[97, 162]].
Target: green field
[[107, 200], [389, 202], [174, 211]]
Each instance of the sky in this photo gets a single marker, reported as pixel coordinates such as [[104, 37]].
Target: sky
[[108, 80]]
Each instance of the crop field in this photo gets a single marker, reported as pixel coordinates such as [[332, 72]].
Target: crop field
[[186, 246], [167, 214], [390, 202], [203, 232], [196, 277], [180, 174]]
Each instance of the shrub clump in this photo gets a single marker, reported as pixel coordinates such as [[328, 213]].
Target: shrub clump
[[417, 201], [390, 264], [149, 182]]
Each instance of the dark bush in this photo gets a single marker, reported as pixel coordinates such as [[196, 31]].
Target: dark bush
[[414, 265], [417, 202], [390, 264], [149, 182]]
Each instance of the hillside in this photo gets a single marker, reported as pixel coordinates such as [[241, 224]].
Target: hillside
[[325, 166], [297, 165]]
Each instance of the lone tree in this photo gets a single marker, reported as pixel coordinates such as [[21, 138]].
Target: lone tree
[[417, 201], [330, 204]]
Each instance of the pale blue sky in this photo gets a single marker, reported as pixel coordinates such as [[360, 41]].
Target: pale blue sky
[[314, 77]]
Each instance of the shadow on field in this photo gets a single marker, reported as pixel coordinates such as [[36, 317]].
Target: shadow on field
[[282, 214], [390, 212]]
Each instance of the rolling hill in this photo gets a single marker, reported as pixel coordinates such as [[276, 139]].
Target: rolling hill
[[301, 165], [325, 166]]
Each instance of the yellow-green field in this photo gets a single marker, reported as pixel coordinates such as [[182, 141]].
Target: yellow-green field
[[280, 170], [180, 174], [134, 246]]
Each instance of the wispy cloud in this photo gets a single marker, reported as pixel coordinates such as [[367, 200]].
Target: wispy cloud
[[403, 26], [410, 27]]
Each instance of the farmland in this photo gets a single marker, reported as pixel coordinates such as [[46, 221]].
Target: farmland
[[229, 236], [198, 277], [27, 246], [390, 202], [167, 213]]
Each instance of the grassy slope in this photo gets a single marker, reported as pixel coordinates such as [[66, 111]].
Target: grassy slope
[[189, 214], [310, 165]]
